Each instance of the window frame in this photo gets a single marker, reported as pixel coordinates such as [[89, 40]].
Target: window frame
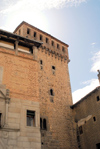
[[30, 117]]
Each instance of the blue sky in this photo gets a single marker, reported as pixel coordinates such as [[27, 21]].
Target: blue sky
[[75, 22]]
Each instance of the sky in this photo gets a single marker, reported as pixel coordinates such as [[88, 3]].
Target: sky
[[75, 22]]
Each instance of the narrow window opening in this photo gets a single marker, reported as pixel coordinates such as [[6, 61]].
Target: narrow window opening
[[40, 37], [41, 62], [98, 98], [51, 92], [34, 34], [78, 138], [40, 123], [14, 46], [57, 46], [63, 49], [30, 118], [28, 31], [46, 40], [44, 124], [81, 130], [52, 43], [0, 119], [94, 118]]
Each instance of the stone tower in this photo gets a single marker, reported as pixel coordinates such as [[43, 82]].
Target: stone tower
[[41, 75]]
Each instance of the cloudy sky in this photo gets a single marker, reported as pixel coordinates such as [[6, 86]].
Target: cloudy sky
[[75, 22]]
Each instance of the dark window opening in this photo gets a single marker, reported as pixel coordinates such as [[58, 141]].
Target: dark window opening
[[0, 120], [42, 143], [28, 31], [63, 49], [57, 46], [44, 124], [41, 62], [40, 37], [31, 50], [46, 40], [51, 92], [78, 138], [81, 130], [40, 123], [14, 46], [98, 146], [52, 43], [53, 67], [34, 34], [30, 118], [94, 118], [98, 98]]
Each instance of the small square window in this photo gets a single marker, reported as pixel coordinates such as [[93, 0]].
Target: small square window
[[53, 67], [28, 31], [30, 118]]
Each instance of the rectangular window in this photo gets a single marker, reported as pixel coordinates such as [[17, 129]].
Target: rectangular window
[[57, 46], [47, 40], [53, 70], [53, 67], [34, 34], [30, 118], [52, 43], [63, 49], [28, 31], [40, 37]]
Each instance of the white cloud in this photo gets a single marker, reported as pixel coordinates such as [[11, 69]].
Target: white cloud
[[78, 94], [93, 43], [38, 5], [96, 62]]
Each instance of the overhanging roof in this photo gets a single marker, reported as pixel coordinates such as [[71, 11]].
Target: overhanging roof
[[13, 37]]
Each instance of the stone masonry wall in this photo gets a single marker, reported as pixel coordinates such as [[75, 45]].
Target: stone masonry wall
[[87, 116], [55, 109], [14, 132]]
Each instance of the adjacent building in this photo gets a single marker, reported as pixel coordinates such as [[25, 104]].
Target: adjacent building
[[86, 113]]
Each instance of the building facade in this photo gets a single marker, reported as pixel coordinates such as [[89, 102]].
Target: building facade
[[34, 68], [87, 118]]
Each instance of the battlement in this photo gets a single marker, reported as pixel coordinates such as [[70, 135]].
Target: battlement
[[50, 43]]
